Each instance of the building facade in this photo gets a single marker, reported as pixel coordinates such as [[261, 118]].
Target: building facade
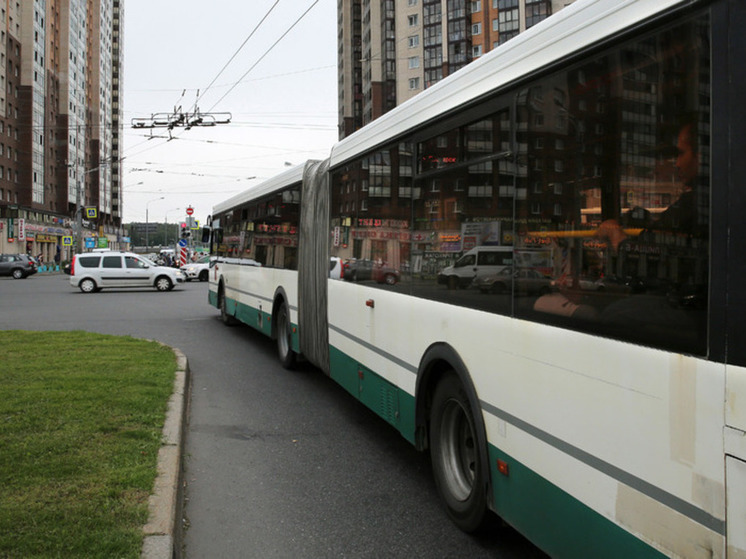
[[60, 126], [390, 50]]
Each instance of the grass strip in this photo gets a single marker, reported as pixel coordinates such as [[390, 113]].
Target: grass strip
[[81, 416]]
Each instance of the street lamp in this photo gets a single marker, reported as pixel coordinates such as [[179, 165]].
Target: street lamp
[[165, 235], [147, 227]]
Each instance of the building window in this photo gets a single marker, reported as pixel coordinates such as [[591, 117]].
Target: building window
[[414, 62], [414, 41], [414, 83], [413, 20]]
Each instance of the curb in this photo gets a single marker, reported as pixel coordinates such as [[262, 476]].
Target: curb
[[162, 532]]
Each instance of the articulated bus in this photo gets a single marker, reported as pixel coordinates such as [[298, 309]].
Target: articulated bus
[[597, 401]]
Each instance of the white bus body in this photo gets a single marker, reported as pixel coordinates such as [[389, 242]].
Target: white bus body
[[606, 419]]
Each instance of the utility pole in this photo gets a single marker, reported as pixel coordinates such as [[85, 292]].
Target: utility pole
[[78, 217]]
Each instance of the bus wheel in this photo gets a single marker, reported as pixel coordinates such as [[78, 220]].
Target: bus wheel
[[284, 337], [227, 319], [456, 456]]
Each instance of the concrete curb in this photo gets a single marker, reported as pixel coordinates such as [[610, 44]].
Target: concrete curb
[[162, 532]]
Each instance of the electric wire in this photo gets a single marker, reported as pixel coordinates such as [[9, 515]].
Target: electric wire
[[289, 29], [258, 25]]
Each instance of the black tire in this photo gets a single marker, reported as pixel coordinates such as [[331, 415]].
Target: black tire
[[18, 274], [284, 337], [228, 320], [204, 275], [457, 459], [88, 286], [162, 283]]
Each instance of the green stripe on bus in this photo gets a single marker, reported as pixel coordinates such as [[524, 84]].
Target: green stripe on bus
[[554, 520], [387, 400]]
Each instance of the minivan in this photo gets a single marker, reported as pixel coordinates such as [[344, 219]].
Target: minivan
[[93, 271], [478, 261]]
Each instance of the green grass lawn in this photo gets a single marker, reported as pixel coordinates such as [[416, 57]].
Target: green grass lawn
[[81, 416]]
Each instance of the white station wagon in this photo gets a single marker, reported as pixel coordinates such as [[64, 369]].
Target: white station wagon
[[93, 271]]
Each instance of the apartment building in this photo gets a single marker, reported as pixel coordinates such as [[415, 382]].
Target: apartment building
[[390, 50], [60, 125]]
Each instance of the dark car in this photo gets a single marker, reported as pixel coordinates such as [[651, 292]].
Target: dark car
[[363, 270], [17, 265]]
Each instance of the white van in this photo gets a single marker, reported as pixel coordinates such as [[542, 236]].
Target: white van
[[478, 261], [93, 271]]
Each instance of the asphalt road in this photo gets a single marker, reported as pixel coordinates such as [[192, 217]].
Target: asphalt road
[[278, 464]]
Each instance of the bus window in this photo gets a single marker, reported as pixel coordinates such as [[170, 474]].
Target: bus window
[[618, 190]]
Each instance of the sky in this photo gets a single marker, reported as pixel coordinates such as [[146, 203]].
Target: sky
[[282, 99]]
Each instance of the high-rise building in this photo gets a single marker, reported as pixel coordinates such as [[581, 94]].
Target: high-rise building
[[60, 125], [390, 50]]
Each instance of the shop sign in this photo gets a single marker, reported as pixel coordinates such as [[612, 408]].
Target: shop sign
[[10, 230], [21, 229]]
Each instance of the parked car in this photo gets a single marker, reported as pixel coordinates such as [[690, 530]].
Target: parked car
[[17, 265], [380, 272], [610, 283], [199, 270], [91, 272], [336, 268], [479, 261], [525, 281]]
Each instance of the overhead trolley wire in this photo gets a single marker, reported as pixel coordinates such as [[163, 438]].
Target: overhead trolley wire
[[288, 30], [258, 25]]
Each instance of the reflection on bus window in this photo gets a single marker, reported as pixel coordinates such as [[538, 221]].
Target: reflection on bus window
[[593, 182], [621, 188], [371, 218], [263, 232]]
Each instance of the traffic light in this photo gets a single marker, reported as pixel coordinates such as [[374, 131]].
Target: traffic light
[[185, 232]]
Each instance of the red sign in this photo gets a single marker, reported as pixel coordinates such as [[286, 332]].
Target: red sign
[[190, 210]]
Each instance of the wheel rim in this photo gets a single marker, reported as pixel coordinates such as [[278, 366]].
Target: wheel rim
[[17, 274], [163, 284], [87, 286], [459, 454]]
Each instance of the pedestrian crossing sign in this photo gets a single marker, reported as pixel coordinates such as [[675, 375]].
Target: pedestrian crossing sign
[[91, 213], [67, 241]]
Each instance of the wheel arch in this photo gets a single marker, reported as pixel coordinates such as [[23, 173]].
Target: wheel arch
[[440, 359]]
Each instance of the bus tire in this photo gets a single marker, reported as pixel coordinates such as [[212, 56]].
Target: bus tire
[[456, 455], [284, 337], [228, 320]]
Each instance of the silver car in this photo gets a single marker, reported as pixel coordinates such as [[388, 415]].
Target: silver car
[[93, 271]]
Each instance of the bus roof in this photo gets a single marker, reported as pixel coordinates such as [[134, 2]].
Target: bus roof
[[582, 24], [274, 184]]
